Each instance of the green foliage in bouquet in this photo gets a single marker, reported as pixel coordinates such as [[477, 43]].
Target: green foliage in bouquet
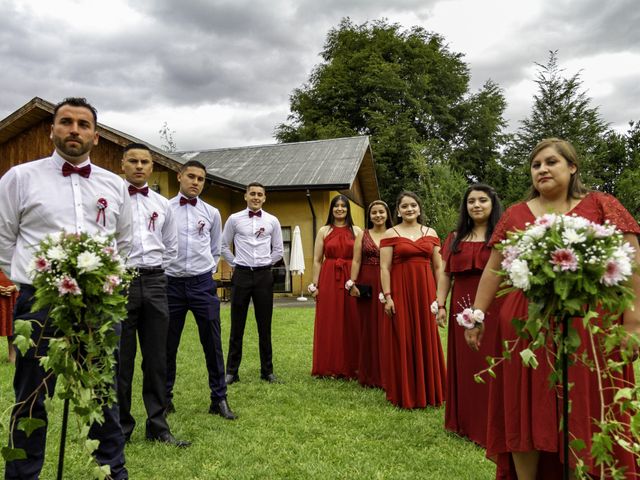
[[82, 281], [569, 267]]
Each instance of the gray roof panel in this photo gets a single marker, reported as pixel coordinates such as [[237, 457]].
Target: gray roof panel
[[318, 163]]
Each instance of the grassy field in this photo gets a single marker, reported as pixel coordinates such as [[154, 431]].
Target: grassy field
[[305, 428]]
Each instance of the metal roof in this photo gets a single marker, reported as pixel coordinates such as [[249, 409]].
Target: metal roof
[[319, 164]]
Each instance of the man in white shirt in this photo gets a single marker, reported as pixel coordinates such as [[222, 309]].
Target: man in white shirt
[[155, 245], [257, 239], [191, 285], [42, 197]]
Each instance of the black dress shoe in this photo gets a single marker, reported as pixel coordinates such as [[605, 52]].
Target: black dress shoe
[[221, 408], [229, 379], [169, 409], [271, 378], [169, 439]]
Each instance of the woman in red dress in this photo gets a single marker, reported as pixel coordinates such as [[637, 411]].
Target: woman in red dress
[[336, 337], [414, 371], [465, 253], [524, 410], [365, 270], [8, 295]]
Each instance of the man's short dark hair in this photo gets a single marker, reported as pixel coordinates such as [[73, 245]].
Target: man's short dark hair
[[193, 163], [77, 102], [256, 184], [136, 146]]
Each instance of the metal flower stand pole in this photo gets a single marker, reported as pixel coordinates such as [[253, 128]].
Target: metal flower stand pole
[[63, 438], [565, 395]]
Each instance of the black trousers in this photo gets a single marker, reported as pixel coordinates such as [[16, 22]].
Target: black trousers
[[28, 378], [247, 285], [148, 317], [197, 294]]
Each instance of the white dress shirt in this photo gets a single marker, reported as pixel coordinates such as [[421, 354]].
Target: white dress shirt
[[257, 240], [199, 230], [155, 240], [37, 200]]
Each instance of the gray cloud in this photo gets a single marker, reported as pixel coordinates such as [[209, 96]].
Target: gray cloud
[[250, 55]]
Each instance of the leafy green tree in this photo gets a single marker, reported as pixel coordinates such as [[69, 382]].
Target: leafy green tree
[[481, 134], [629, 180], [401, 87]]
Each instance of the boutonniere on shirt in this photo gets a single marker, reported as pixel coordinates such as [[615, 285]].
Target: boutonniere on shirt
[[260, 232], [201, 226], [101, 205], [152, 221]]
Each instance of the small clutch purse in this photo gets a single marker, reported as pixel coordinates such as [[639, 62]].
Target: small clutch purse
[[365, 290]]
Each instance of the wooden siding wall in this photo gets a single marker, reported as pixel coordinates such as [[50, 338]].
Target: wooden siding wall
[[35, 143]]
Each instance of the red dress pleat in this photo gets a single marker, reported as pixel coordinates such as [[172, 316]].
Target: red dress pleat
[[336, 338], [415, 369], [6, 308], [524, 411]]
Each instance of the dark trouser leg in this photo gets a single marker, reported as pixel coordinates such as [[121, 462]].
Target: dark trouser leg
[[128, 346], [152, 331], [241, 287], [205, 306], [263, 305], [178, 305], [111, 449]]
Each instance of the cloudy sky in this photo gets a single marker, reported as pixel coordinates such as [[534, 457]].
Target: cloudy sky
[[220, 72]]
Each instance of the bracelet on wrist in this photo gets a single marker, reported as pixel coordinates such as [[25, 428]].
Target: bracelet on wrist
[[312, 288], [349, 285], [382, 298]]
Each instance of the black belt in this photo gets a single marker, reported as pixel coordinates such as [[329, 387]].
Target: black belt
[[149, 270], [253, 269]]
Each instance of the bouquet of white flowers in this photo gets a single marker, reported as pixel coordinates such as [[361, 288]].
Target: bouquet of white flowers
[[567, 266], [81, 280]]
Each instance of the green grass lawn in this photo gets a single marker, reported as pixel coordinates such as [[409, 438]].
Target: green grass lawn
[[304, 428]]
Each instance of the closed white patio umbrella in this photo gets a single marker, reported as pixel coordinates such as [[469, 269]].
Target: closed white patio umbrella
[[296, 261]]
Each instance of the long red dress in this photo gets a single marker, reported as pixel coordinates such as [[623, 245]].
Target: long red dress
[[467, 401], [524, 411], [414, 371], [336, 337], [372, 315], [6, 308]]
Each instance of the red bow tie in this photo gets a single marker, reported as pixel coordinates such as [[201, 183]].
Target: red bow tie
[[68, 169], [255, 214], [143, 191], [192, 201]]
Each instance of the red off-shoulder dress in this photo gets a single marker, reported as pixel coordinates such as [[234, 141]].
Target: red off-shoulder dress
[[336, 338], [524, 410], [467, 401], [414, 373]]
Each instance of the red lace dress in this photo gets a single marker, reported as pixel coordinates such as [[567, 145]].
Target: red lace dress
[[414, 373], [466, 400], [524, 411], [6, 308], [336, 337], [372, 315]]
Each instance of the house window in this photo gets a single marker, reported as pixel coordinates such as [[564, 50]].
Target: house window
[[281, 274]]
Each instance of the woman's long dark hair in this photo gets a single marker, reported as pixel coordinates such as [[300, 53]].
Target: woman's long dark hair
[[331, 218], [388, 223], [465, 222], [409, 194]]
